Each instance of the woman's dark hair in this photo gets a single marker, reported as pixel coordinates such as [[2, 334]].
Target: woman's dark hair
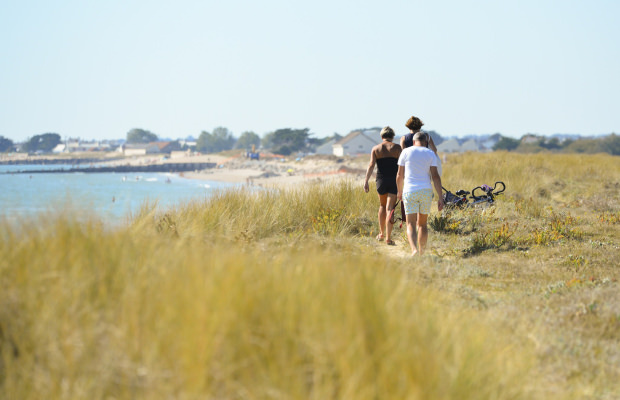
[[414, 123]]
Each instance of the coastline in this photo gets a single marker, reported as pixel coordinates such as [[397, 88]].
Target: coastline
[[269, 171]]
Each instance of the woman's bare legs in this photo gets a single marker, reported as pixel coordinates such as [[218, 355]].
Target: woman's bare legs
[[383, 198], [391, 202]]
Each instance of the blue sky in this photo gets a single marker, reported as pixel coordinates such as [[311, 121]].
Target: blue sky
[[97, 69]]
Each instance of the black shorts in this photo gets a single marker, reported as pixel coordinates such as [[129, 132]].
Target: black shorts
[[386, 186]]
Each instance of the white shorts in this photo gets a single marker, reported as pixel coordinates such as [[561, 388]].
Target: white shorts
[[418, 202]]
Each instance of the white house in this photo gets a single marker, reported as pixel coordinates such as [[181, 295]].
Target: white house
[[354, 143], [77, 146], [60, 148], [449, 146], [470, 145], [139, 149], [326, 148]]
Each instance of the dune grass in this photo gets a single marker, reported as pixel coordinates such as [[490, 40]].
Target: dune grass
[[94, 314], [284, 294]]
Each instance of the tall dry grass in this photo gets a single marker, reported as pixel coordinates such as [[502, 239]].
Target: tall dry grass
[[334, 210], [544, 259], [284, 294], [559, 177], [92, 314]]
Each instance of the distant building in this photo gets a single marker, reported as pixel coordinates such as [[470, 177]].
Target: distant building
[[168, 147], [449, 146], [326, 148], [188, 143], [470, 145], [79, 146], [530, 138], [140, 149], [354, 143], [60, 148], [479, 144]]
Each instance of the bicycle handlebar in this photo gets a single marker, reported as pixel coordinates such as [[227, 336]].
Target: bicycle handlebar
[[473, 193], [490, 193], [499, 191]]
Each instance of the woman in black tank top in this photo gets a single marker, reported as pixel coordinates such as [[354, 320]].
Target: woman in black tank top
[[385, 155], [415, 125]]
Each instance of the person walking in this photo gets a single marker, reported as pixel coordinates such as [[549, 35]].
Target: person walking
[[415, 125], [385, 156], [415, 189]]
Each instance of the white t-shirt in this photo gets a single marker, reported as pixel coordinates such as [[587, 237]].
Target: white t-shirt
[[438, 166], [417, 162]]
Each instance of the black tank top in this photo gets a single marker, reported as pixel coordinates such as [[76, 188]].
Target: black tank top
[[387, 167], [408, 140]]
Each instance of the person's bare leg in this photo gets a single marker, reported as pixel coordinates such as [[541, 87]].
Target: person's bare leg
[[411, 234], [382, 214], [422, 232], [391, 201]]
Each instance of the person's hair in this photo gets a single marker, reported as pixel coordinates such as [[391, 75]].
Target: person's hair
[[387, 133], [414, 123], [421, 136]]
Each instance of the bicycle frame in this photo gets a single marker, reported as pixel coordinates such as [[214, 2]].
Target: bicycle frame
[[460, 199], [489, 193]]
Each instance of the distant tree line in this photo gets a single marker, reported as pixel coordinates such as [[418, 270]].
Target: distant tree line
[[6, 145], [44, 143], [287, 141], [138, 135], [608, 144], [281, 141]]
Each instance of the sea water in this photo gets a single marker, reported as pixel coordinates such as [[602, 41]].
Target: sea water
[[113, 197]]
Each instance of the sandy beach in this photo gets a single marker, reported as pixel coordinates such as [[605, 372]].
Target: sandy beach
[[274, 171], [268, 171]]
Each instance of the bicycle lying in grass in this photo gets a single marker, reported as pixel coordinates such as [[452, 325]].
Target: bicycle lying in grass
[[486, 198]]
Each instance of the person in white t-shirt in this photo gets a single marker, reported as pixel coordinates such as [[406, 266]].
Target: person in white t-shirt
[[416, 191]]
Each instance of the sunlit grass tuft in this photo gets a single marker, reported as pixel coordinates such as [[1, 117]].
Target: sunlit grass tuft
[[325, 209]]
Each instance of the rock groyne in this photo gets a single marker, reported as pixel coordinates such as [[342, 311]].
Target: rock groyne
[[53, 161], [168, 167]]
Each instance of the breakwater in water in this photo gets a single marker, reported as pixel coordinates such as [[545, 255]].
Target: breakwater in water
[[168, 167], [53, 161]]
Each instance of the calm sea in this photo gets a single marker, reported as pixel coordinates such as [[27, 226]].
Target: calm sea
[[113, 197]]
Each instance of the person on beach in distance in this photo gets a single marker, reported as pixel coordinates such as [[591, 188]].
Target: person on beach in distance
[[385, 155], [415, 189]]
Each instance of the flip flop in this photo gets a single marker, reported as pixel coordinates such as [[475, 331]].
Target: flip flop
[[390, 242], [379, 238]]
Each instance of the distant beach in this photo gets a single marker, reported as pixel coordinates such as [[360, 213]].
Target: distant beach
[[269, 170], [280, 172], [117, 195]]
